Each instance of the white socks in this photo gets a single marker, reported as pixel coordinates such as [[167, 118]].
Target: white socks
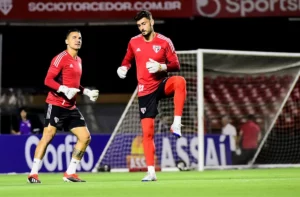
[[71, 169], [177, 120], [72, 166], [151, 169], [35, 166]]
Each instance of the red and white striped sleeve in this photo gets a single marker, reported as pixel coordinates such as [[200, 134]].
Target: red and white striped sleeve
[[173, 62], [53, 71]]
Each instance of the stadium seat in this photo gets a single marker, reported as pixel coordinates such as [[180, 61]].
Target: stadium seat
[[241, 95]]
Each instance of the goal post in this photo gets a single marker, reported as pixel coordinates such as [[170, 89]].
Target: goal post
[[219, 82], [200, 110]]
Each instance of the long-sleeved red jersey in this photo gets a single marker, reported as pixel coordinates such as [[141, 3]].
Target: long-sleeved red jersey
[[63, 70], [160, 49]]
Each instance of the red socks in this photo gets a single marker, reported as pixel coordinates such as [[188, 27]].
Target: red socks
[[148, 140]]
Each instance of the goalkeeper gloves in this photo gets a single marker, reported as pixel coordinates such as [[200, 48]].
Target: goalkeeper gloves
[[69, 92], [154, 67], [122, 71], [93, 94]]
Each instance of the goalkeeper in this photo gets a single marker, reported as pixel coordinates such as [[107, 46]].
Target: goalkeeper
[[155, 56], [63, 78]]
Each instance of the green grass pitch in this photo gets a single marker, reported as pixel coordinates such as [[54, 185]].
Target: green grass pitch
[[213, 183]]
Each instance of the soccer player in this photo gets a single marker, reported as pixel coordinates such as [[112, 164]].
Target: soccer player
[[63, 79], [155, 56]]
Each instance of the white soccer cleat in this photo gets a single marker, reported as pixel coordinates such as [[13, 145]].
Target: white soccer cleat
[[149, 177], [176, 130]]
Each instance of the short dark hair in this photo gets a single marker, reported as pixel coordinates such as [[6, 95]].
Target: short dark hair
[[72, 30], [23, 109], [142, 14]]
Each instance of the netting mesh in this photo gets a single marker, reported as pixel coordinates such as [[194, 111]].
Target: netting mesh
[[240, 85], [283, 143]]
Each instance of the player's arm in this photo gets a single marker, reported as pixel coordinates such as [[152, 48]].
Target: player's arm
[[126, 63], [172, 58], [53, 71]]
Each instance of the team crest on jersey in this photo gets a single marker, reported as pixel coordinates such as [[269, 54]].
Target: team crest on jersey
[[156, 48], [143, 110], [6, 6]]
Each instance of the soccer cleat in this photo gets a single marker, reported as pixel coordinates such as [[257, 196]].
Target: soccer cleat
[[176, 130], [149, 177], [72, 178], [34, 178]]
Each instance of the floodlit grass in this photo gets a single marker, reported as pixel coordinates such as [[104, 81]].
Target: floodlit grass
[[231, 183]]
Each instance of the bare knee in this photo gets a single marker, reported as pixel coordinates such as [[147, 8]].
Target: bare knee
[[48, 134], [82, 134], [85, 139]]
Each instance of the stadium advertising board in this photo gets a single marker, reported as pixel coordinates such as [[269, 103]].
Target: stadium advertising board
[[91, 9], [18, 152], [59, 10], [169, 151], [247, 8]]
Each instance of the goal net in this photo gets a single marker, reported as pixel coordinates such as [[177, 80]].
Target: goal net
[[232, 83], [265, 85]]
